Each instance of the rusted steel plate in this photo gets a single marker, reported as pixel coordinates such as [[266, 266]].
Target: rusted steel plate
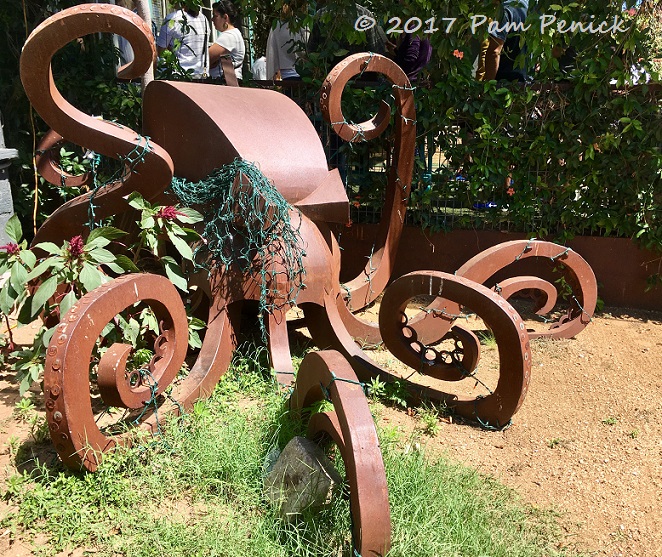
[[106, 138], [48, 158], [257, 125], [326, 374], [364, 288], [78, 438]]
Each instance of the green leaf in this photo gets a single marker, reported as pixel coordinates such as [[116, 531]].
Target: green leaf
[[182, 247], [7, 299], [68, 301], [146, 221], [126, 264], [18, 277], [43, 294], [41, 268], [48, 335], [49, 247], [90, 277], [101, 255], [149, 321], [137, 202], [13, 229], [194, 340], [174, 273], [108, 232], [101, 237], [188, 216], [29, 258], [196, 324], [131, 331], [25, 314]]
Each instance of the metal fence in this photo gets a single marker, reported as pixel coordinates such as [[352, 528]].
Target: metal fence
[[441, 198]]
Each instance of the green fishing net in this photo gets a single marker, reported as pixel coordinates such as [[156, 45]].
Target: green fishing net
[[248, 224]]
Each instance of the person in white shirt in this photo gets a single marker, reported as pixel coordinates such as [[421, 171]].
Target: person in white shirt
[[259, 68], [284, 46], [230, 41], [186, 33]]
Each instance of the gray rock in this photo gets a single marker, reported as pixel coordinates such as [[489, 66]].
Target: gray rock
[[303, 477]]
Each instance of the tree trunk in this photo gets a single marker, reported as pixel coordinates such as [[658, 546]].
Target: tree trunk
[[143, 9]]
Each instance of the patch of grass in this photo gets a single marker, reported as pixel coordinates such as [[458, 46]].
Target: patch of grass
[[634, 434], [428, 417], [394, 392], [556, 442], [487, 338], [198, 491], [611, 420], [24, 409]]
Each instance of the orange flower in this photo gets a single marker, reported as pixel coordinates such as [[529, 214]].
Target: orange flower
[[458, 54], [356, 204], [510, 191]]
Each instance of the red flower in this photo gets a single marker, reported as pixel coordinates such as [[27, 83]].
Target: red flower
[[11, 248], [510, 191], [356, 204], [168, 213], [458, 54], [349, 224], [76, 246]]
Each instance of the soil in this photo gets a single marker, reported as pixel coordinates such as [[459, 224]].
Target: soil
[[587, 441]]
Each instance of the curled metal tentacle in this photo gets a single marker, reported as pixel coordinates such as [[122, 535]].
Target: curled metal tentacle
[[542, 292], [364, 288], [576, 270], [106, 138], [77, 435], [497, 408], [47, 161], [326, 374], [512, 339], [486, 264]]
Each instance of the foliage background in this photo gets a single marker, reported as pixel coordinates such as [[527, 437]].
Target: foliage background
[[582, 147]]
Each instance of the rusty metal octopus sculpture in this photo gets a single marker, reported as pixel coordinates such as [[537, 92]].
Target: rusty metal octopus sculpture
[[194, 128]]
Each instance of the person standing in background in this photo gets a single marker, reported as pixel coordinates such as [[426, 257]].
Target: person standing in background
[[511, 12], [259, 68], [284, 45], [230, 42], [185, 32], [412, 54]]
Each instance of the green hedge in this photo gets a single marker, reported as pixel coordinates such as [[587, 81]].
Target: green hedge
[[582, 148]]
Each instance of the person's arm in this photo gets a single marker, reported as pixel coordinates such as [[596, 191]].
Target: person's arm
[[411, 52], [273, 63], [166, 36], [216, 51]]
